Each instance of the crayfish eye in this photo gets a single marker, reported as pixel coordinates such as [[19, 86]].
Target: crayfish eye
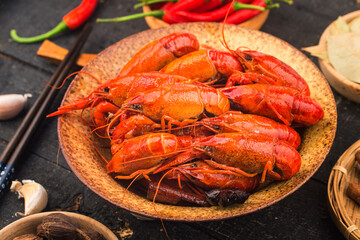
[[248, 57], [136, 106], [207, 149], [216, 127], [106, 89]]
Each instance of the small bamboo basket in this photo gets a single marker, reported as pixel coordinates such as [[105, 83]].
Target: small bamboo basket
[[344, 211]]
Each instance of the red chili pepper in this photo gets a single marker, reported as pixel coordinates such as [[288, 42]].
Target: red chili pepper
[[217, 14], [172, 17], [167, 5], [156, 3], [247, 1], [72, 20], [178, 5], [210, 5], [187, 5], [166, 15], [245, 14]]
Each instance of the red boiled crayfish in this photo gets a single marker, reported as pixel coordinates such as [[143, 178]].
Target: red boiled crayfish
[[117, 90], [240, 153], [230, 121], [209, 65], [160, 52], [280, 103], [234, 121], [267, 69], [212, 150], [134, 155], [133, 126], [168, 192], [211, 186], [240, 67], [207, 177], [179, 104]]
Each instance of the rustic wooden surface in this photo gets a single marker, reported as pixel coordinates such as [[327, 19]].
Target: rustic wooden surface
[[303, 214]]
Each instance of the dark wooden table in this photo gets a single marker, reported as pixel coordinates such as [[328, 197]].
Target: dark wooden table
[[303, 214]]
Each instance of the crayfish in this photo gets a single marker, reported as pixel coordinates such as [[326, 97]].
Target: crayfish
[[185, 139]]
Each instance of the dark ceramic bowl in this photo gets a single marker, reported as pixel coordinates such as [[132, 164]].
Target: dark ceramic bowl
[[84, 160]]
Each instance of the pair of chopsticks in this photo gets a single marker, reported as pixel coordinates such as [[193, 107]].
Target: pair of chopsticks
[[17, 144]]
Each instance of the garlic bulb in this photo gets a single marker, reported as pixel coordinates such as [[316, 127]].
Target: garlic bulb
[[34, 194], [12, 104]]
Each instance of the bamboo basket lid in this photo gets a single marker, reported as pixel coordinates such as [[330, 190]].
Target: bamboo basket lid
[[344, 211]]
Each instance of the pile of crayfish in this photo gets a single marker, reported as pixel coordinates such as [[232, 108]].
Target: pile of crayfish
[[201, 126]]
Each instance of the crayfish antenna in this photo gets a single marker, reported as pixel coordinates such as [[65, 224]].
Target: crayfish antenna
[[130, 184], [225, 167], [91, 75], [154, 169], [156, 192], [117, 117], [72, 74], [207, 47], [272, 75], [100, 135], [83, 72], [209, 127], [183, 157], [224, 43], [223, 40], [282, 118]]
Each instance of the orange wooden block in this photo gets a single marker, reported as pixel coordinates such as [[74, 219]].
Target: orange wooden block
[[56, 54]]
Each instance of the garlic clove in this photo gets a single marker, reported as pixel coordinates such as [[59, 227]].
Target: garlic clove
[[15, 186], [12, 104], [34, 194]]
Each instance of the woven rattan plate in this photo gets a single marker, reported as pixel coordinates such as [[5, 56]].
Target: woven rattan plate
[[77, 142], [344, 211]]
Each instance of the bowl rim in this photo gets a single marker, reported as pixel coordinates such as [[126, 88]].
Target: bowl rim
[[77, 216], [322, 42]]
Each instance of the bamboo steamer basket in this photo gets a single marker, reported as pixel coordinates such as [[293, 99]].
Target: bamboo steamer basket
[[344, 211]]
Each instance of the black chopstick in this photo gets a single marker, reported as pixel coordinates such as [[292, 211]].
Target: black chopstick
[[16, 146]]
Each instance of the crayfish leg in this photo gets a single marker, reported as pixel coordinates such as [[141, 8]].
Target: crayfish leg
[[144, 172], [179, 159], [266, 170], [133, 175], [240, 78], [283, 119], [225, 167], [172, 121]]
